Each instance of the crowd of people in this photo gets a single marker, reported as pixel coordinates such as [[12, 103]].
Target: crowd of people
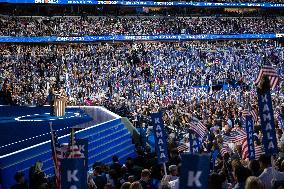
[[133, 79], [81, 26], [133, 71]]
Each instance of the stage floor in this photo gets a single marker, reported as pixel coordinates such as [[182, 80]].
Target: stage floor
[[21, 127]]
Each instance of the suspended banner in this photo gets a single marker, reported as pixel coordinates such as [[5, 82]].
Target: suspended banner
[[267, 122], [148, 3], [250, 140], [160, 137], [194, 171], [49, 39], [73, 174]]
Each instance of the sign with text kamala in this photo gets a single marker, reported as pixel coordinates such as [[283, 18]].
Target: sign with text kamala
[[267, 122], [73, 174], [194, 171], [160, 137]]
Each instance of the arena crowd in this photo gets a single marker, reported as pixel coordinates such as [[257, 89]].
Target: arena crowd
[[134, 79], [81, 26]]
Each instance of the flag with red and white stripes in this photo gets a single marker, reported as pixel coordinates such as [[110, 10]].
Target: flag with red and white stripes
[[198, 127], [271, 73], [60, 152], [236, 136], [56, 156], [244, 149], [73, 152], [254, 115], [182, 147], [257, 150], [224, 150], [252, 112]]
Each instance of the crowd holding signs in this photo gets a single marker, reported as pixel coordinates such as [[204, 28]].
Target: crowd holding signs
[[225, 128]]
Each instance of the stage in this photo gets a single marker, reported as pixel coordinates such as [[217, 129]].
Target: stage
[[21, 127], [25, 137]]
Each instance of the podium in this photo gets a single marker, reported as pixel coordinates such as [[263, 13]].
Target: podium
[[59, 106]]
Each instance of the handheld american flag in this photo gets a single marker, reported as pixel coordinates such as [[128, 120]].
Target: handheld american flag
[[56, 155], [258, 150], [182, 147], [225, 150], [271, 73], [198, 127]]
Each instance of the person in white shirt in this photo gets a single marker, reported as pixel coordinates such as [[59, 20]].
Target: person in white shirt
[[174, 184], [269, 173]]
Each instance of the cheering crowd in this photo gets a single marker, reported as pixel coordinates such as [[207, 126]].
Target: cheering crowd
[[80, 26], [91, 73]]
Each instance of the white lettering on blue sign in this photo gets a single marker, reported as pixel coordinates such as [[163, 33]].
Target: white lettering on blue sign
[[193, 179], [267, 118], [264, 98], [160, 141], [157, 120], [81, 148], [159, 134], [71, 175]]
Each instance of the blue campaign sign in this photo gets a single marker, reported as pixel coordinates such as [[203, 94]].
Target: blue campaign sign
[[73, 174], [160, 137], [194, 171], [83, 146], [250, 140], [194, 142], [267, 122]]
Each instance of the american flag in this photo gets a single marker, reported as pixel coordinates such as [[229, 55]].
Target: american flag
[[56, 155], [257, 150], [224, 150], [244, 149], [198, 127], [182, 147], [246, 112], [73, 152], [254, 115], [236, 136], [60, 152], [271, 73]]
